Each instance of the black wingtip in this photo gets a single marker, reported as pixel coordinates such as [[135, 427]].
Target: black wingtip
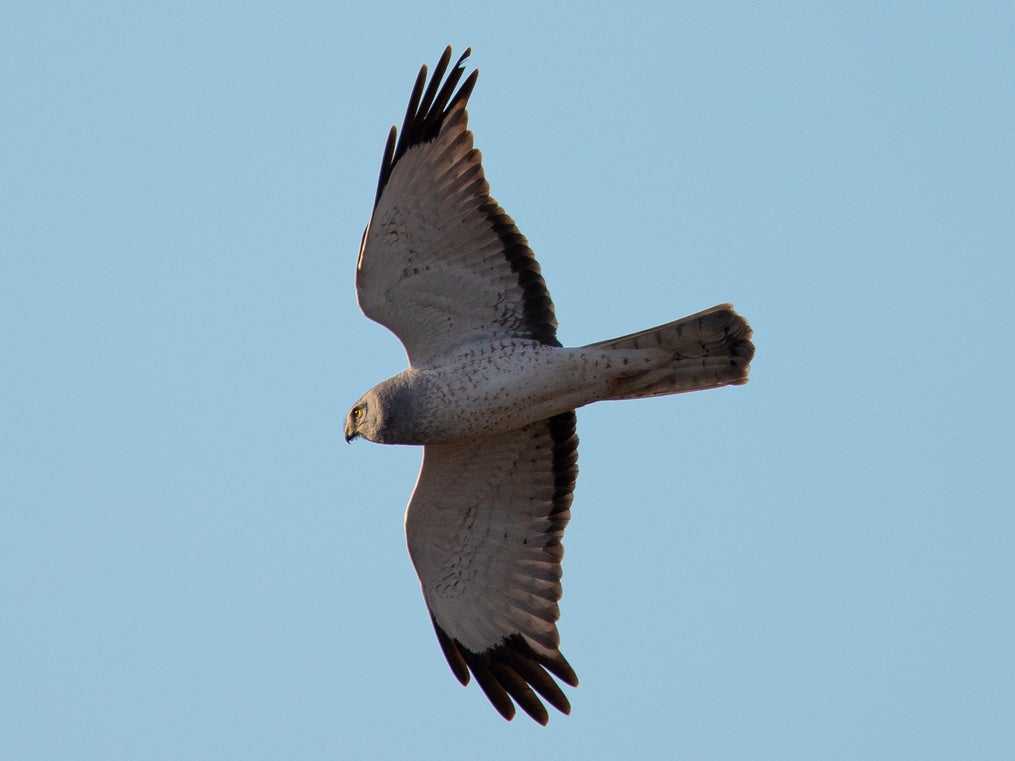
[[450, 649], [512, 673], [428, 106]]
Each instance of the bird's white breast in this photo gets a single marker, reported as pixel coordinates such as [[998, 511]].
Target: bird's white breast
[[505, 385]]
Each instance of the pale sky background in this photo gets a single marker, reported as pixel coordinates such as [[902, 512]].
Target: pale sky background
[[818, 565]]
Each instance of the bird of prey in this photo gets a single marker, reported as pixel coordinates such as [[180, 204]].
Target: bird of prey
[[490, 394]]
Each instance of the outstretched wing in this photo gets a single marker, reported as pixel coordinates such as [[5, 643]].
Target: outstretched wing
[[441, 265], [484, 528]]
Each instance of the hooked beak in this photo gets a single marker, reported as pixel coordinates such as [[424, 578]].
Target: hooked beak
[[350, 433]]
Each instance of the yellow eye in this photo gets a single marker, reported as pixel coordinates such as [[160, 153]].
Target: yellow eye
[[357, 413]]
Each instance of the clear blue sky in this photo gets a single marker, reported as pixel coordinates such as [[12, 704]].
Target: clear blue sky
[[819, 565]]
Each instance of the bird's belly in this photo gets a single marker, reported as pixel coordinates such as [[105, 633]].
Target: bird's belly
[[501, 388]]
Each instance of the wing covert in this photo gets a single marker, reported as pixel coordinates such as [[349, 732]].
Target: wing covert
[[441, 264], [484, 529]]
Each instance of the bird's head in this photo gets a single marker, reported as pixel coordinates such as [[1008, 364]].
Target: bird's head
[[386, 414], [364, 418]]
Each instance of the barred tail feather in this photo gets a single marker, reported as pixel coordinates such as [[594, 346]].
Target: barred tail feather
[[706, 350]]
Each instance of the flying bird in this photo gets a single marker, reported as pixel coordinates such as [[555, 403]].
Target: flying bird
[[490, 394]]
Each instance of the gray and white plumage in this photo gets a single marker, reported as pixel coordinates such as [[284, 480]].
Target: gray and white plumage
[[490, 393]]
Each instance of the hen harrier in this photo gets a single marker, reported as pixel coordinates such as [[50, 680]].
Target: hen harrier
[[490, 393]]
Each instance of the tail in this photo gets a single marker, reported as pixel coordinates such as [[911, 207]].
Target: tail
[[706, 350]]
